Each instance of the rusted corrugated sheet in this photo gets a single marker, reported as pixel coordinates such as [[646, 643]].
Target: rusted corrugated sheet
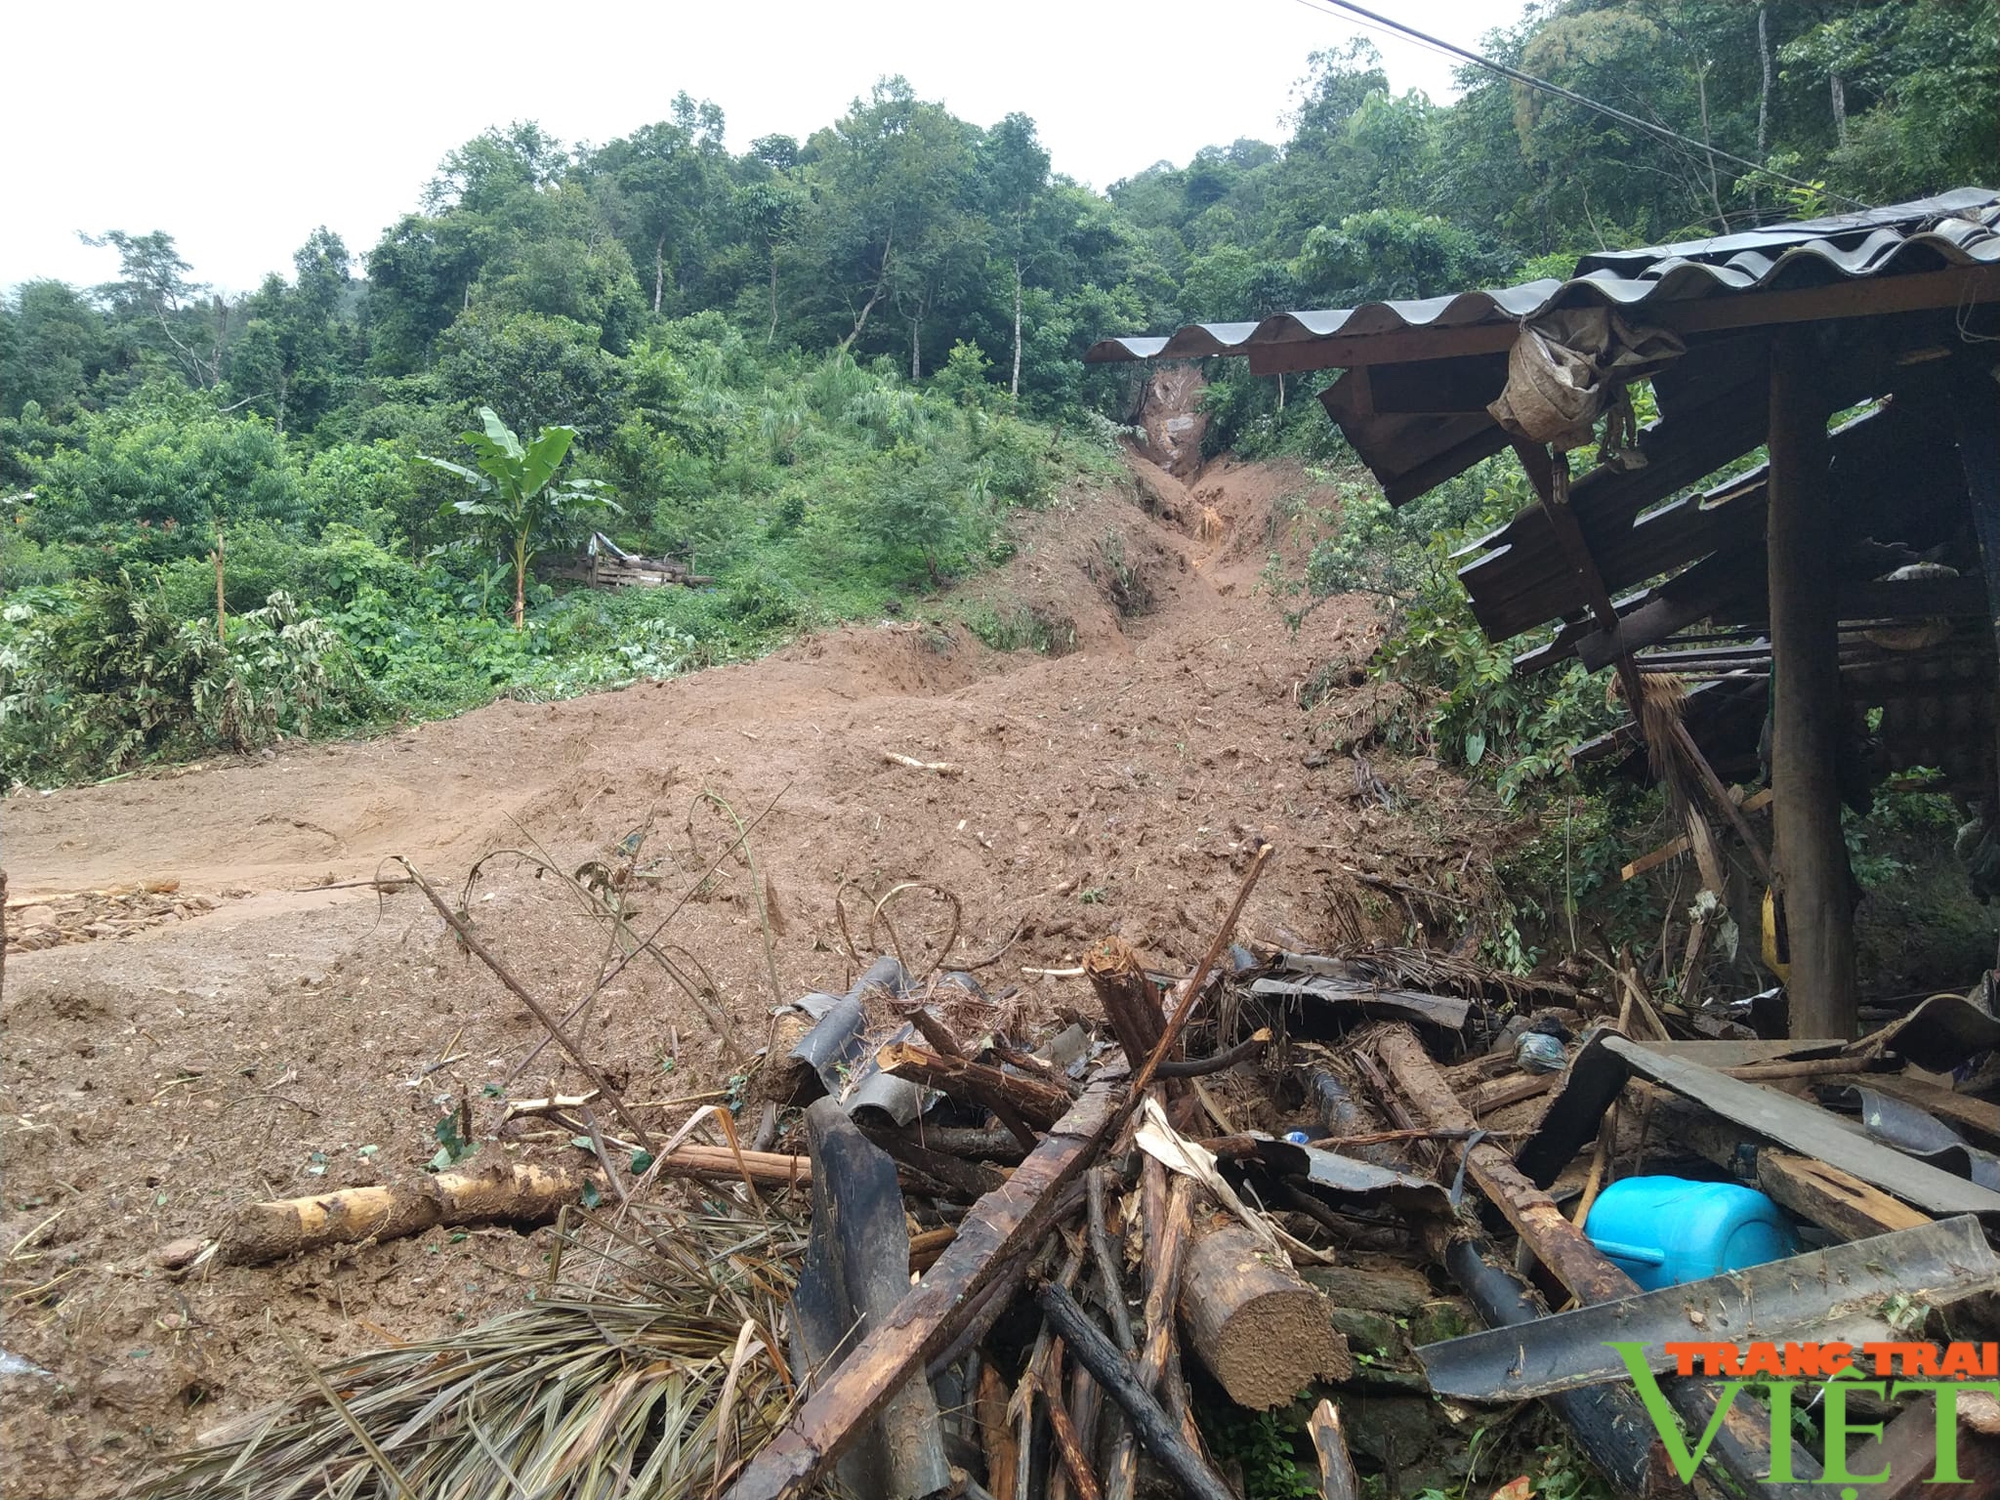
[[1953, 229]]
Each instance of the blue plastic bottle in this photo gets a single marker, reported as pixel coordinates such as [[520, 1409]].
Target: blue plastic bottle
[[1662, 1231]]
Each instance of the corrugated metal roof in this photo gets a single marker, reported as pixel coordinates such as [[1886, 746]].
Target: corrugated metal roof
[[1959, 228]]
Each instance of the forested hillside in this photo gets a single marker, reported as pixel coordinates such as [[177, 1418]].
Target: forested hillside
[[824, 371]]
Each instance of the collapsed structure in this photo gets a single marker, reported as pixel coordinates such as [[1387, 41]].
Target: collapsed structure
[[1851, 574]]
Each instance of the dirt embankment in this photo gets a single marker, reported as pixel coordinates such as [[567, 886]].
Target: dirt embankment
[[233, 1022]]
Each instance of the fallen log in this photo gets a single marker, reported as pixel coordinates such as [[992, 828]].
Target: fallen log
[[1160, 1433], [1260, 1330], [927, 1318], [513, 1193], [968, 1180], [1040, 1104], [1131, 1001], [934, 1031]]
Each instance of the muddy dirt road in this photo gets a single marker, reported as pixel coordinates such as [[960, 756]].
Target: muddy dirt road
[[195, 1020]]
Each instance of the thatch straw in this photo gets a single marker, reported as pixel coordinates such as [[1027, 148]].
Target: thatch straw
[[617, 1391]]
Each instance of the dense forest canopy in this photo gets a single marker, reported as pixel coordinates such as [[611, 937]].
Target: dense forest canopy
[[825, 367]]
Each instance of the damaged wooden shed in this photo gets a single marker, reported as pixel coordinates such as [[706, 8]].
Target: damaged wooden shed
[[1832, 611]]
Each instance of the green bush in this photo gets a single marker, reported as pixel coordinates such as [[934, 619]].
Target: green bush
[[103, 676]]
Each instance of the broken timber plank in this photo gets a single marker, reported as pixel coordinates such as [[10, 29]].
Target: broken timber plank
[[1837, 1201], [1041, 1104], [1337, 1479], [925, 1319], [1559, 1244]]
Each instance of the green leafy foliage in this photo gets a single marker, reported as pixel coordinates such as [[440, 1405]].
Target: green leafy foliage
[[1268, 1446], [827, 371], [105, 676], [513, 488]]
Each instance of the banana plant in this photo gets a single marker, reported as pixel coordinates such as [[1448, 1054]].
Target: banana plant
[[514, 489]]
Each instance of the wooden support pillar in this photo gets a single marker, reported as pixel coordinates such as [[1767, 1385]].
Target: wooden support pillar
[[1805, 698], [1976, 412]]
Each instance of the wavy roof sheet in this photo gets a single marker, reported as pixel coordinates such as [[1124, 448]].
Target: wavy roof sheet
[[1959, 228]]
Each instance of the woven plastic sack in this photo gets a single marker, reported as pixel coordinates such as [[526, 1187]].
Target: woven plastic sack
[[1564, 367]]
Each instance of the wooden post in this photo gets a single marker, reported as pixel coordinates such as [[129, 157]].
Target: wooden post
[[221, 608], [1805, 699], [1976, 413]]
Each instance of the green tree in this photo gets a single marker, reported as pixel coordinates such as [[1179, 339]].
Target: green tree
[[163, 312], [1014, 168], [889, 184], [285, 362], [514, 489], [53, 343]]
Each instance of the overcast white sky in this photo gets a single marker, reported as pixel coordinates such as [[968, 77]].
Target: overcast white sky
[[239, 127]]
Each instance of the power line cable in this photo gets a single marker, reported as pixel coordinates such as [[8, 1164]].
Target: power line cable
[[1662, 132]]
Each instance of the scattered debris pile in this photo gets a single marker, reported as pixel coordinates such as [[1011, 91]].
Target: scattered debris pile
[[87, 916], [995, 1265], [603, 564]]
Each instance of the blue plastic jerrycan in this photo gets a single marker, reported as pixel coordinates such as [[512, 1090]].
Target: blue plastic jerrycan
[[1662, 1231]]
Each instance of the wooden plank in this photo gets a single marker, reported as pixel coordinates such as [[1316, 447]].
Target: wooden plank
[[1718, 795], [1337, 1479], [1041, 1104], [1835, 1200], [1646, 863], [1002, 1222], [1806, 721], [1505, 1091]]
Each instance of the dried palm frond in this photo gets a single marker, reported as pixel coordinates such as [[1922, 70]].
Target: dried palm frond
[[594, 1391]]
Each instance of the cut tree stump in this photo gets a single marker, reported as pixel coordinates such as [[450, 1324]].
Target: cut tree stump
[[1262, 1332]]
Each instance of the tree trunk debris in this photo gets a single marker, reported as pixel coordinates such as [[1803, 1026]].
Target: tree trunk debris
[[996, 1290]]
